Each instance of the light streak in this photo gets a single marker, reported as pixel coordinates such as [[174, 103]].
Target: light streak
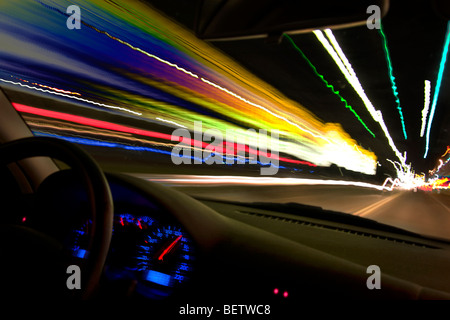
[[153, 56], [441, 183], [147, 133], [328, 84], [100, 143], [447, 151], [354, 81], [89, 122], [192, 74], [171, 122], [79, 130], [392, 78], [441, 163], [436, 183], [426, 106], [215, 86], [264, 109], [437, 88], [406, 179], [72, 97], [247, 180], [51, 88], [394, 183], [130, 54]]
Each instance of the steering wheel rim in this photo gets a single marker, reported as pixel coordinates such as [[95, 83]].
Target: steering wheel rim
[[99, 196]]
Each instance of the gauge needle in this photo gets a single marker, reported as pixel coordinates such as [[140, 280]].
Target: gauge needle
[[170, 247]]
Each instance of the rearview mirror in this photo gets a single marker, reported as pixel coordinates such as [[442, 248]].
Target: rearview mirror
[[236, 19]]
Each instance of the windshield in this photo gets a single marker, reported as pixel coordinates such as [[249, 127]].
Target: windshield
[[352, 119]]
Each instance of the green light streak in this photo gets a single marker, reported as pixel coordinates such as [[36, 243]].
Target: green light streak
[[392, 78], [328, 84]]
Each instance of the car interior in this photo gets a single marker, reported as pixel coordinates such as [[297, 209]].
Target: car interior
[[140, 240]]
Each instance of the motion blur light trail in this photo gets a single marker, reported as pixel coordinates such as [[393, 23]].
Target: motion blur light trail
[[442, 162], [436, 183], [437, 180], [52, 126], [126, 129], [100, 143], [426, 106], [63, 93], [446, 151], [44, 86], [128, 59], [392, 78], [267, 181], [328, 84], [406, 178], [337, 54], [172, 122], [437, 88]]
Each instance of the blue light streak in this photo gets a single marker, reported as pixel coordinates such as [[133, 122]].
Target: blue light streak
[[436, 90], [99, 143]]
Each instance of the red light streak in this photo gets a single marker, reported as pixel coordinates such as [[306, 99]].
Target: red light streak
[[121, 128], [89, 122]]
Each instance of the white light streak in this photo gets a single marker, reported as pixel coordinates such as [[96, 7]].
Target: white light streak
[[264, 109], [342, 62], [406, 178], [171, 122], [426, 107], [247, 180], [72, 97]]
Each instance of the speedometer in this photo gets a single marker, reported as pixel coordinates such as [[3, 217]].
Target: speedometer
[[155, 253], [164, 258]]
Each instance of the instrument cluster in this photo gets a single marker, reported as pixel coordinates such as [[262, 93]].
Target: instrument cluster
[[156, 255]]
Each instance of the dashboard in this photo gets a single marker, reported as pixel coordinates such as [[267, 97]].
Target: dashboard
[[169, 248]]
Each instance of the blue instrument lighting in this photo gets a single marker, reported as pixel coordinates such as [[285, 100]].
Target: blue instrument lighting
[[157, 277], [80, 253], [156, 254]]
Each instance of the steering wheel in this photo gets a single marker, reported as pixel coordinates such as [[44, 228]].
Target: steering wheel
[[20, 240]]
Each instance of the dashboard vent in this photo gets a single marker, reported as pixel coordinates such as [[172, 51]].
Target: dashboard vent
[[334, 228]]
